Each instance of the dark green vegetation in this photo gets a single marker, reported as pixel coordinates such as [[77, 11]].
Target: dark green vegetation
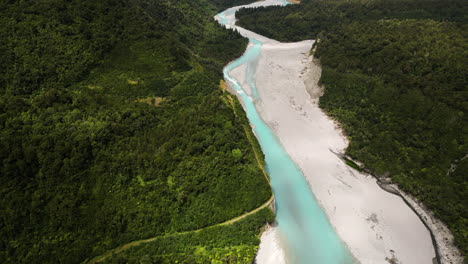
[[225, 4], [395, 76], [352, 164], [311, 17], [113, 129], [236, 243]]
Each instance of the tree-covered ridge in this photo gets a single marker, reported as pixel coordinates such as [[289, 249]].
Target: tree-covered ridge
[[225, 4], [113, 128], [54, 43], [395, 76], [307, 20], [403, 104]]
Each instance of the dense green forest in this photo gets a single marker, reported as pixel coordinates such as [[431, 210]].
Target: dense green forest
[[225, 4], [237, 243], [311, 17], [113, 128], [395, 76]]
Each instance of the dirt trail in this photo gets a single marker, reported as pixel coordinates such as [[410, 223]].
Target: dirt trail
[[139, 242], [228, 222]]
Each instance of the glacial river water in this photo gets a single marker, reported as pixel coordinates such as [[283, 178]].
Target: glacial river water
[[306, 234]]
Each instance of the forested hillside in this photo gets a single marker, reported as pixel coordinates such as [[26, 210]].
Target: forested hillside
[[225, 4], [113, 128], [311, 17], [395, 76]]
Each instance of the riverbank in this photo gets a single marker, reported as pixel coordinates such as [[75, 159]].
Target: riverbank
[[376, 226], [442, 238], [271, 250], [301, 222]]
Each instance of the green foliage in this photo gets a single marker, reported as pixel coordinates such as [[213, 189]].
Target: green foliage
[[352, 164], [398, 87], [395, 76], [224, 4], [236, 243], [88, 161], [236, 153], [311, 17]]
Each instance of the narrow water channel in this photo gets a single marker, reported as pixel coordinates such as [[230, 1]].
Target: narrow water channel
[[307, 236]]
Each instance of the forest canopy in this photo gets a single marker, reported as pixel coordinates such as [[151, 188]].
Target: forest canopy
[[113, 128]]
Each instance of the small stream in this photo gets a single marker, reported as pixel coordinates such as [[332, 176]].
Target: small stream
[[306, 235]]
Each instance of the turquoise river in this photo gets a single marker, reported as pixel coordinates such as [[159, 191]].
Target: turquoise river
[[306, 235]]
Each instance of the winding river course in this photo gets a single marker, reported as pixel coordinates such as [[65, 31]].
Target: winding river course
[[305, 228], [347, 218]]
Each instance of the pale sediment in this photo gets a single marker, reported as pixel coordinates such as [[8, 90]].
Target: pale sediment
[[376, 226], [270, 250], [441, 235]]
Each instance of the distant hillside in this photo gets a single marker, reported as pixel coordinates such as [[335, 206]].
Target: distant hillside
[[395, 76], [113, 128], [225, 4]]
